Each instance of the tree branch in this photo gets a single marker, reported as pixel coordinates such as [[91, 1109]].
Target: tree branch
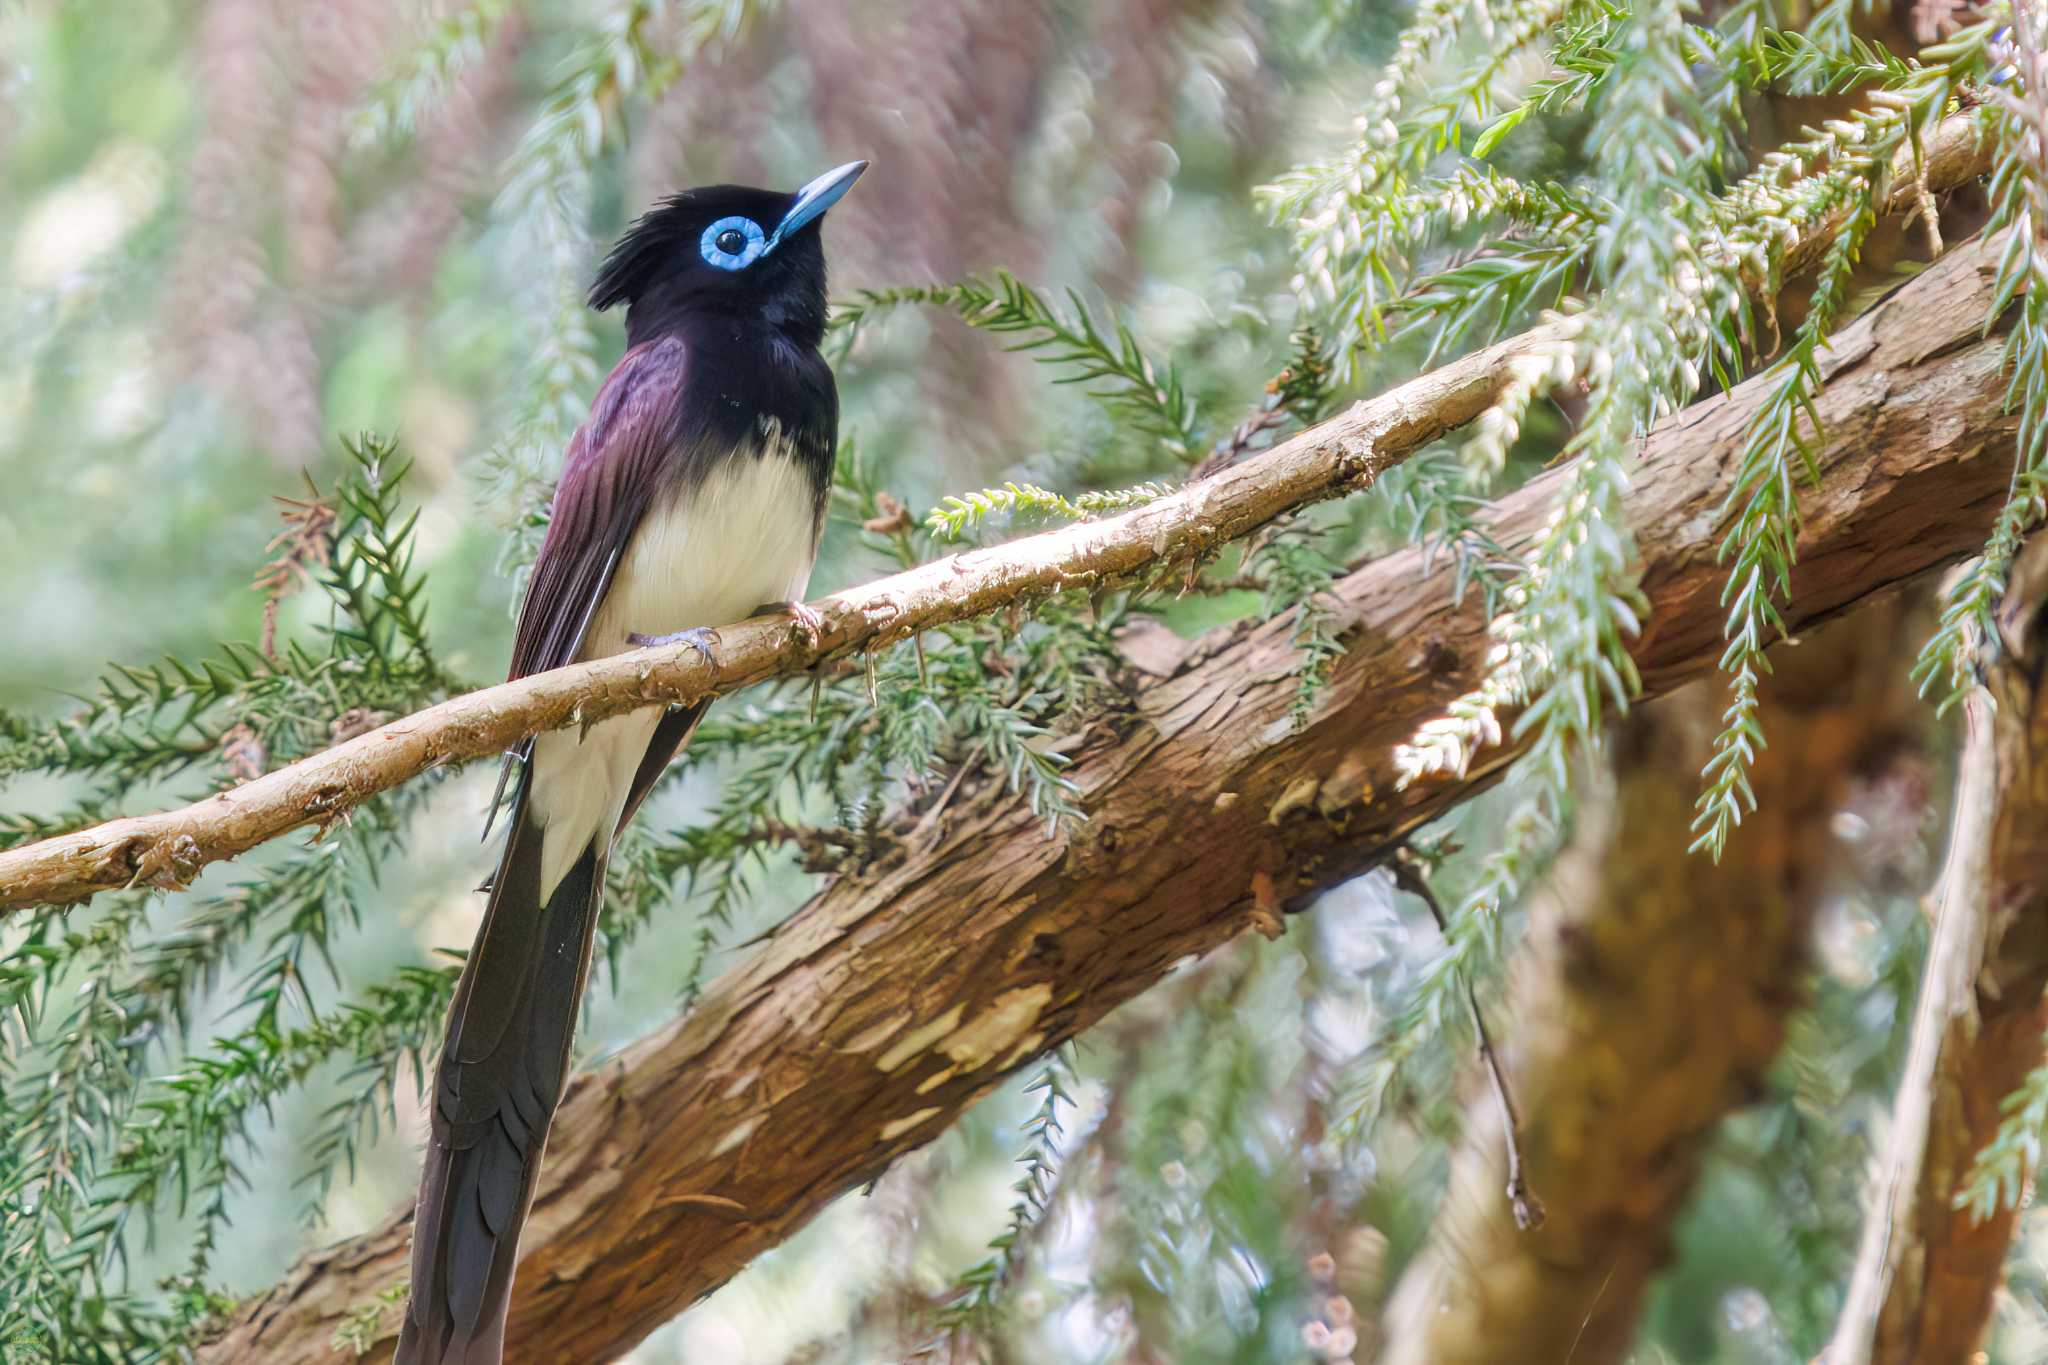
[[1343, 455], [901, 994], [1339, 456], [1927, 1270]]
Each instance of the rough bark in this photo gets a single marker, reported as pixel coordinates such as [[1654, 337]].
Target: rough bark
[[1340, 456], [1927, 1271], [901, 994], [1618, 1085]]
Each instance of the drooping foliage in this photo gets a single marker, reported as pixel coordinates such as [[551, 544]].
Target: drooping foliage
[[1234, 1168]]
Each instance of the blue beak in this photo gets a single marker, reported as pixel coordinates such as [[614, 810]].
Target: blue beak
[[814, 198]]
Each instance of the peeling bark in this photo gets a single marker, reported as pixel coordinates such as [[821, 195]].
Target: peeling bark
[[1927, 1271], [900, 995]]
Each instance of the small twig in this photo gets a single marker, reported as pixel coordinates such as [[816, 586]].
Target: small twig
[[892, 517], [307, 539], [1291, 395], [823, 850], [243, 754], [1233, 447], [1527, 1208], [928, 821]]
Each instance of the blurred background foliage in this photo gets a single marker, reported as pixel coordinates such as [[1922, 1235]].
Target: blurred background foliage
[[234, 232]]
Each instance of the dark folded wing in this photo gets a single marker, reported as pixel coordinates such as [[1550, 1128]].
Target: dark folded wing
[[618, 464]]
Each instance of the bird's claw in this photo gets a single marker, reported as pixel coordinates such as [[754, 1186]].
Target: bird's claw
[[809, 622], [703, 639]]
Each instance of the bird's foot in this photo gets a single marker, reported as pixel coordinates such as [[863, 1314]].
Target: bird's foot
[[807, 621], [703, 639]]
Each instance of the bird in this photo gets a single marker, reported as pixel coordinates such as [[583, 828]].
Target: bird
[[694, 494]]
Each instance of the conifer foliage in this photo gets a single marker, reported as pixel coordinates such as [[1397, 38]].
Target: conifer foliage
[[1239, 1165]]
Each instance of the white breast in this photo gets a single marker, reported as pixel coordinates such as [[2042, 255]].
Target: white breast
[[740, 539]]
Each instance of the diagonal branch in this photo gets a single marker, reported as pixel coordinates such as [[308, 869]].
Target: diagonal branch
[[1340, 456], [904, 992]]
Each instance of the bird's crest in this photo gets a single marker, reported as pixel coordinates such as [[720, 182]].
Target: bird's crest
[[641, 256]]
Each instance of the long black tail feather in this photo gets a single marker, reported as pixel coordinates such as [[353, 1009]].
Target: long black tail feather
[[500, 1077]]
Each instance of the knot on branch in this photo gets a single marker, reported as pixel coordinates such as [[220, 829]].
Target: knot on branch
[[168, 864]]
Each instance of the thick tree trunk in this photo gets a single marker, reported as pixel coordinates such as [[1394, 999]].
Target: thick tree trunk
[[1927, 1271], [1648, 1001], [901, 994]]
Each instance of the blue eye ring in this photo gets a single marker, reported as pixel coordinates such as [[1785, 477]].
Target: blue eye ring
[[756, 243]]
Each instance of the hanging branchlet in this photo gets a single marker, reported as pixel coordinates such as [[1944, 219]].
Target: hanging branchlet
[[1357, 215], [972, 1306], [1760, 546], [415, 85], [305, 543], [2019, 104]]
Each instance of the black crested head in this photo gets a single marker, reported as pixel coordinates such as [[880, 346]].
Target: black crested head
[[727, 251]]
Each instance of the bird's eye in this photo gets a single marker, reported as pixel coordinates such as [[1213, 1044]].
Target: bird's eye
[[733, 243]]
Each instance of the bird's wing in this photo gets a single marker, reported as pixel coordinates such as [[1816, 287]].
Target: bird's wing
[[614, 471]]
